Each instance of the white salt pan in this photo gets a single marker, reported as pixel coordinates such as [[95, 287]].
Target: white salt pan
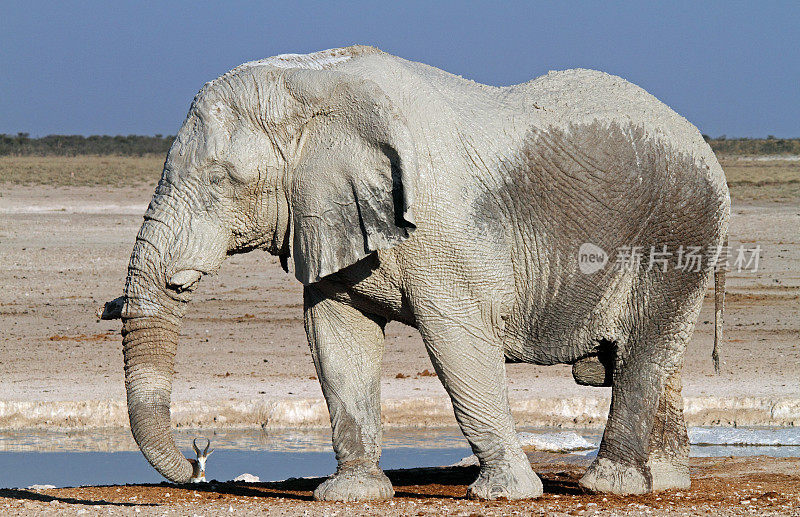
[[247, 478], [555, 442], [737, 436]]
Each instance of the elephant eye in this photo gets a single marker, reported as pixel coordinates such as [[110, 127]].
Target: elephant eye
[[217, 178]]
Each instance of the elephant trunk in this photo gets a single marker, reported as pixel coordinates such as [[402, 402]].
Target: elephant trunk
[[149, 345], [151, 315]]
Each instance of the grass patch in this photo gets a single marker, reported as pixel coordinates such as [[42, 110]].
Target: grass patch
[[61, 171], [749, 180], [757, 180]]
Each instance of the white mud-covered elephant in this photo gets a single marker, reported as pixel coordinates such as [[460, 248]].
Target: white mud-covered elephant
[[402, 192]]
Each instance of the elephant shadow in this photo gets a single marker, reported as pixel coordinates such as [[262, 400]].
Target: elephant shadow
[[417, 483], [30, 495]]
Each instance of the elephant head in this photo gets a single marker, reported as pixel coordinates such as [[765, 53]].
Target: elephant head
[[314, 164]]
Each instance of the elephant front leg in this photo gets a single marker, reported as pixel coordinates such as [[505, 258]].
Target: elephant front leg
[[471, 366], [347, 347]]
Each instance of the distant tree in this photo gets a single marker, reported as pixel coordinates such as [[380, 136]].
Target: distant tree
[[755, 146], [137, 145], [72, 145]]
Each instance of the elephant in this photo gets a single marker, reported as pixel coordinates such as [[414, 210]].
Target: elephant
[[401, 192]]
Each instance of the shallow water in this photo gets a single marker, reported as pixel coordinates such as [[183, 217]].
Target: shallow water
[[284, 440], [111, 456], [22, 469]]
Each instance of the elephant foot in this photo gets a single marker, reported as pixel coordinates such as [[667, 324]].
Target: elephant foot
[[668, 473], [355, 484], [608, 476], [506, 481]]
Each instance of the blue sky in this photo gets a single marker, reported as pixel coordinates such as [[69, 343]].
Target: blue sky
[[133, 67]]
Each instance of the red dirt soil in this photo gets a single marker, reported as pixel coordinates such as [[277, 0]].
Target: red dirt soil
[[720, 486]]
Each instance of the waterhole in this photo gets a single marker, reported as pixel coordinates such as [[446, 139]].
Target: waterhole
[[111, 457]]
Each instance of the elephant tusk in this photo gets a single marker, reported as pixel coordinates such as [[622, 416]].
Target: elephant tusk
[[111, 310]]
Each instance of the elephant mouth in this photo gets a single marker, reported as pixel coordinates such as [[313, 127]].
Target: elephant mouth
[[184, 280]]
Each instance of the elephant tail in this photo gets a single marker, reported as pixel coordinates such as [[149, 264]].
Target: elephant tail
[[719, 305]]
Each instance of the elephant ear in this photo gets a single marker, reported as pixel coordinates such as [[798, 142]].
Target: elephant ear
[[352, 188]]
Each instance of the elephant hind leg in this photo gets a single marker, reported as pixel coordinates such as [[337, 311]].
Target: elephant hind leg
[[644, 446], [668, 461], [621, 463]]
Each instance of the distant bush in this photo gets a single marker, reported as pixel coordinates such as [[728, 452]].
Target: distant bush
[[137, 145], [74, 145], [754, 146]]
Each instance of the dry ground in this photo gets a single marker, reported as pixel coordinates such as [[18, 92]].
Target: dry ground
[[720, 486]]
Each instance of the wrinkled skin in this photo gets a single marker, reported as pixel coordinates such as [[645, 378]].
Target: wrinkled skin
[[401, 192]]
